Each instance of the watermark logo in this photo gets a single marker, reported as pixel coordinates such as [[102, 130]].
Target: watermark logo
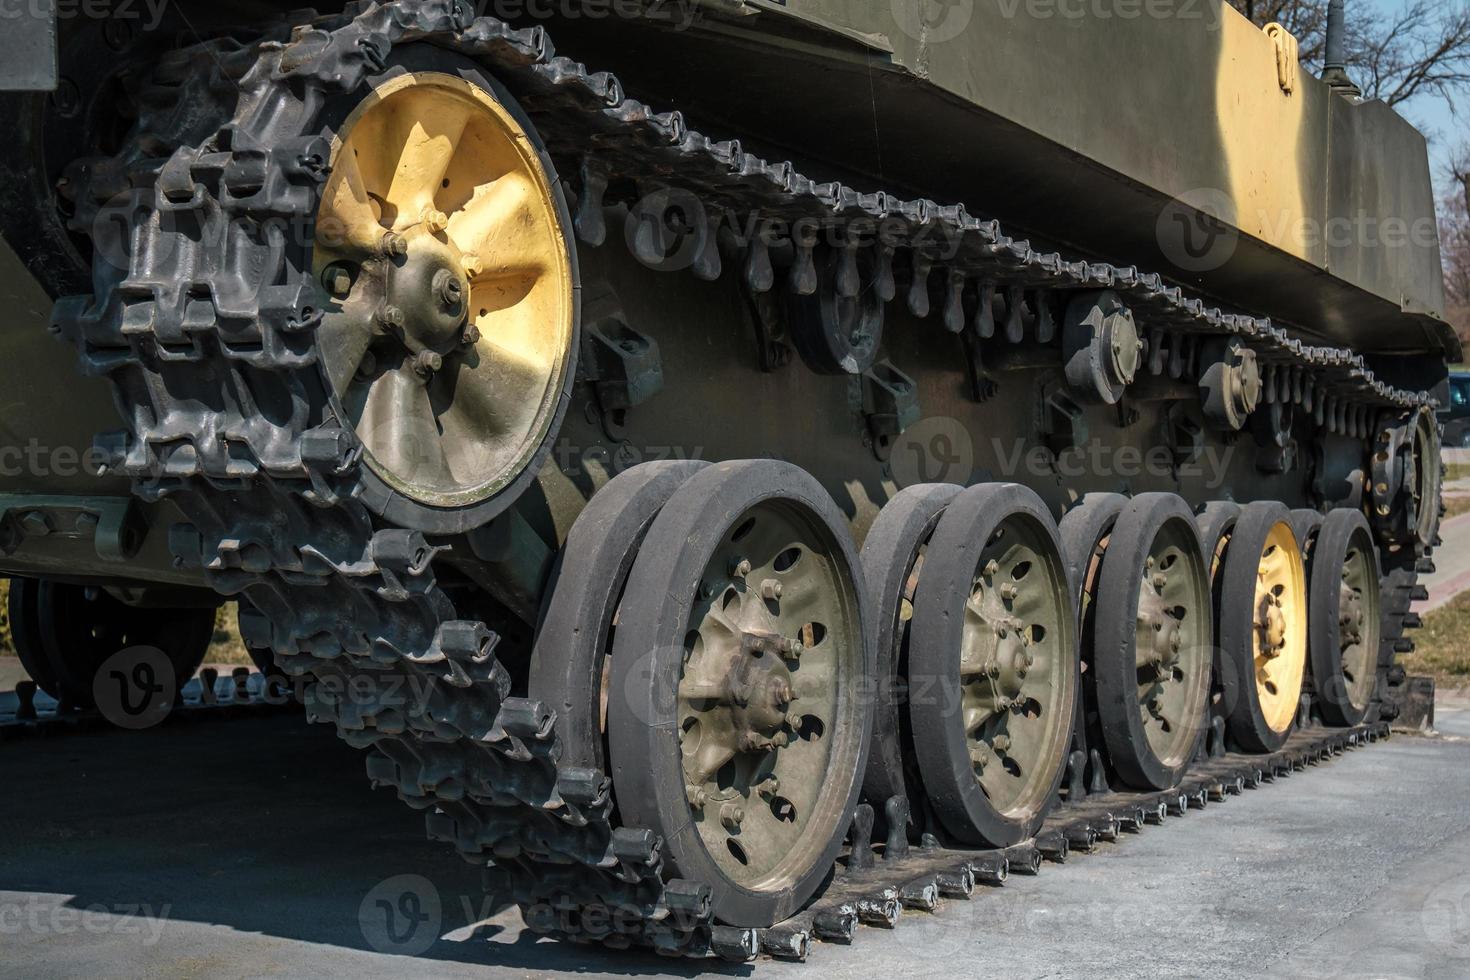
[[1197, 230], [938, 449], [135, 688], [37, 916], [401, 915], [1446, 915], [933, 21]]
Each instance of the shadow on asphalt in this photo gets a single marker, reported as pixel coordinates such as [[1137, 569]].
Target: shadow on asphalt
[[263, 825]]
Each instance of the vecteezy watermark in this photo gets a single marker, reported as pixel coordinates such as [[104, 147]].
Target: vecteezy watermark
[[1096, 458], [135, 688], [679, 14], [402, 915], [149, 13], [1209, 13], [940, 449], [1196, 231], [933, 21], [36, 459], [38, 916], [571, 458], [937, 449], [1445, 916]]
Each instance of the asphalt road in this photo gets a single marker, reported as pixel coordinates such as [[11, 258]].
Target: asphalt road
[[254, 848]]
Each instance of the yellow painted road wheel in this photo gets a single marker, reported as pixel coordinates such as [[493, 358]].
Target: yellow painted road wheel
[[442, 240], [1263, 627]]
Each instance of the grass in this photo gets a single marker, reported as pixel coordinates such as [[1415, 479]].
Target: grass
[[1455, 506], [225, 648], [1456, 471], [1442, 645]]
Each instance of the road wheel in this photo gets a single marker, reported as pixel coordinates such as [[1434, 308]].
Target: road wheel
[[1263, 627], [1345, 617], [569, 665], [1306, 523], [893, 557], [1151, 642], [737, 709], [82, 626], [25, 634], [993, 672]]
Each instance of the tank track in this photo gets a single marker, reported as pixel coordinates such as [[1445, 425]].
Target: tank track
[[207, 338]]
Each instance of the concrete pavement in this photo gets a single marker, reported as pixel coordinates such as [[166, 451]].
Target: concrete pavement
[[253, 848]]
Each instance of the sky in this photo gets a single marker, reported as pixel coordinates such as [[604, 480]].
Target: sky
[[1430, 113]]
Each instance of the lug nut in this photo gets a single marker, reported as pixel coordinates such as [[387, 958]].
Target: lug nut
[[1160, 581], [771, 589], [393, 245], [732, 815], [471, 265], [1009, 591], [991, 568], [434, 220], [471, 335], [1001, 742], [337, 280], [696, 796], [739, 567], [390, 316], [769, 787], [427, 362]]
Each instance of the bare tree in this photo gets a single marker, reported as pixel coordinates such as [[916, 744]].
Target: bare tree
[[1454, 237], [1423, 50]]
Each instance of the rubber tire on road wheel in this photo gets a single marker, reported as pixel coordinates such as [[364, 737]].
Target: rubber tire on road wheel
[[585, 586], [643, 740], [1306, 523], [941, 743], [1236, 625], [25, 634], [1115, 625], [83, 626], [889, 553], [1083, 530], [1324, 646]]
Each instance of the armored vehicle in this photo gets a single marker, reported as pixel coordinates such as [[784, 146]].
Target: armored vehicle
[[668, 436]]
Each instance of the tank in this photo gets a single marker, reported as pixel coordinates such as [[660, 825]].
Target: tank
[[679, 442]]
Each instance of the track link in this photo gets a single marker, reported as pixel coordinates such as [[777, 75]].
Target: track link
[[207, 338]]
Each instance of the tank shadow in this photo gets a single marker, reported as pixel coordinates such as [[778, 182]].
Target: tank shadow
[[262, 825]]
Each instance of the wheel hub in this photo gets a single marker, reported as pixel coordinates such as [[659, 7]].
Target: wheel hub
[[430, 291], [1271, 624], [1161, 626]]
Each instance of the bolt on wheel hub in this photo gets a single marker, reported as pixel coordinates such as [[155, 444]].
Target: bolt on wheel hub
[[441, 241]]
